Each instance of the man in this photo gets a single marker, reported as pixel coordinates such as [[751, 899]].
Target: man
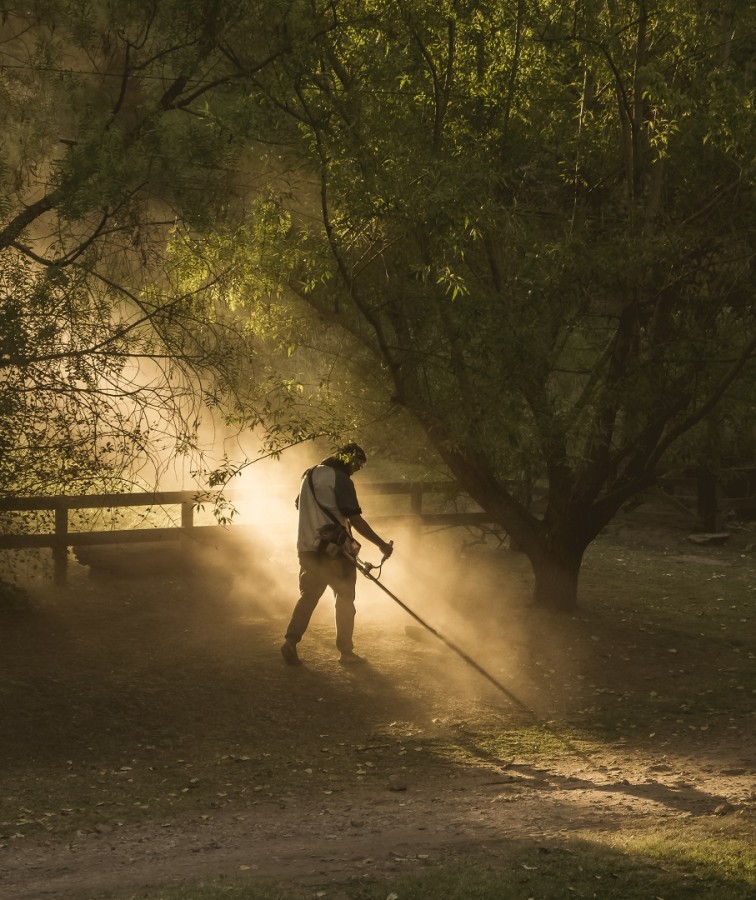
[[327, 496]]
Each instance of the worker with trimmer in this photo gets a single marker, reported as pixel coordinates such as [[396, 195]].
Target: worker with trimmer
[[328, 511]]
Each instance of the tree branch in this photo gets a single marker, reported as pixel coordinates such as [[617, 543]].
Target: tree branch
[[22, 220]]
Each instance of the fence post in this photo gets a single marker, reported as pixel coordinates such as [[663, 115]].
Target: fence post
[[187, 514], [60, 548], [187, 523]]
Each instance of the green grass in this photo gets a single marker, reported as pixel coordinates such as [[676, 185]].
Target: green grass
[[665, 864], [713, 858]]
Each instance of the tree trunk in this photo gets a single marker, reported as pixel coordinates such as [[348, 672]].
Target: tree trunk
[[554, 544], [708, 498], [708, 474], [556, 580]]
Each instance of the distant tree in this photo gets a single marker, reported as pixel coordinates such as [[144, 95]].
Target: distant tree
[[541, 219]]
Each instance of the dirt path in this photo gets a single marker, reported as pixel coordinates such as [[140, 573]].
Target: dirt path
[[373, 832], [155, 737]]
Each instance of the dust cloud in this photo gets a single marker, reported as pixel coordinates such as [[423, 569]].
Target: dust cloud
[[474, 593]]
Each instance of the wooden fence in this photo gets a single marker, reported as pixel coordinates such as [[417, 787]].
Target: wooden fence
[[61, 537], [679, 491]]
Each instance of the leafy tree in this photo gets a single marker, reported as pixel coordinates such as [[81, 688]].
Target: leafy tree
[[111, 332], [537, 217], [540, 218]]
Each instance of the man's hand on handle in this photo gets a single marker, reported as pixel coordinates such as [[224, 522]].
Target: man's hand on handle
[[386, 548]]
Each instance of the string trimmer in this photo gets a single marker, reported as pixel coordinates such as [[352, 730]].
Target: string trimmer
[[373, 573]]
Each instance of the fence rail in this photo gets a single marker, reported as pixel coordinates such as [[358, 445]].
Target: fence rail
[[61, 537]]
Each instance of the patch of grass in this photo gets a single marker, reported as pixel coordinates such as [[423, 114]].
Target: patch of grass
[[500, 746], [673, 652], [664, 865], [694, 593], [714, 858]]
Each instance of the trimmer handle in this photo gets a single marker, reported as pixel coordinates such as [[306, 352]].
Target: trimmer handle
[[367, 568]]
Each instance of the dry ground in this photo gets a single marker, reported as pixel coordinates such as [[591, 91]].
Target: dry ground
[[151, 734]]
